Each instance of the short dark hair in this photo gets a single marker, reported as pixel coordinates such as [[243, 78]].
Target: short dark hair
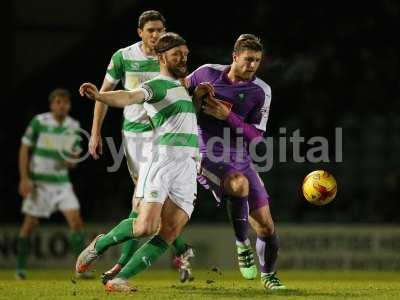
[[150, 15], [59, 92], [168, 41], [247, 41]]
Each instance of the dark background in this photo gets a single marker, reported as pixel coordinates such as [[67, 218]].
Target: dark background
[[329, 65]]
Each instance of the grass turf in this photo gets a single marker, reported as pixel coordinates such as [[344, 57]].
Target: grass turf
[[154, 284]]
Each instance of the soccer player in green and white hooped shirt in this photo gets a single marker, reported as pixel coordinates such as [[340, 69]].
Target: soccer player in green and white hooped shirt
[[168, 178], [134, 65], [48, 145]]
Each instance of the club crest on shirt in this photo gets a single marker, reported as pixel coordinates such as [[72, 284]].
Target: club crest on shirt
[[241, 96]]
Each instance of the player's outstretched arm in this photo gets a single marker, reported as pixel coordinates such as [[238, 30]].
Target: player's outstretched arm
[[112, 98], [100, 109], [99, 113]]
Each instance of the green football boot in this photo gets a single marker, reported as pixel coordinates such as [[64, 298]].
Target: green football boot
[[246, 261], [271, 282]]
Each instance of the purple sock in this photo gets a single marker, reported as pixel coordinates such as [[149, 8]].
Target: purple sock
[[238, 209], [267, 251]]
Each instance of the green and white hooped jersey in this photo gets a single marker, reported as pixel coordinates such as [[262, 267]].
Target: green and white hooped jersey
[[173, 116], [133, 67], [51, 143]]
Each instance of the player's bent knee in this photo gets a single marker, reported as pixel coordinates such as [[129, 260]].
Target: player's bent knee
[[29, 224], [145, 228], [26, 230], [237, 185], [33, 223], [265, 229]]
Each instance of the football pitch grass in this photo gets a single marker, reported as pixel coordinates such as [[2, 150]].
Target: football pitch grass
[[154, 284]]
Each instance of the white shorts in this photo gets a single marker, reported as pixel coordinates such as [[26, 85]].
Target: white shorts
[[169, 177], [137, 148], [45, 199]]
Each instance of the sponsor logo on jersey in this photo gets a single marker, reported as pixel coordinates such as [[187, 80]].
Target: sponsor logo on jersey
[[135, 66], [146, 261], [154, 194]]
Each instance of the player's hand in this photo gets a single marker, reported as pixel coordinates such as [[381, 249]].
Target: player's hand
[[72, 161], [216, 108], [25, 187], [95, 146], [89, 90], [70, 164], [200, 92], [204, 88]]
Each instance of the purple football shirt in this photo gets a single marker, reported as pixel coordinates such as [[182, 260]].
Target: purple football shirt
[[250, 101]]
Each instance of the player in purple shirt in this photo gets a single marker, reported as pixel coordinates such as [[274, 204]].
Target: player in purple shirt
[[233, 111]]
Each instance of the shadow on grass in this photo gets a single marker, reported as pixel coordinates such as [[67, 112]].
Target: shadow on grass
[[215, 291]]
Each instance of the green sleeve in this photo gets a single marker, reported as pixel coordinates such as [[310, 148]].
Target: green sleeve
[[115, 70], [158, 89], [32, 132]]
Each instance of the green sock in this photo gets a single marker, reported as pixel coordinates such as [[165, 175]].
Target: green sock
[[76, 242], [22, 252], [144, 257], [129, 246], [133, 214], [179, 246], [119, 234]]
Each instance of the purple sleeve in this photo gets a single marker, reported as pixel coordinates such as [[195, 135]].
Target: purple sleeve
[[258, 116], [196, 77], [192, 81], [250, 132]]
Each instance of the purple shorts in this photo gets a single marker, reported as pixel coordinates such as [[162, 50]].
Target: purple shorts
[[213, 174]]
